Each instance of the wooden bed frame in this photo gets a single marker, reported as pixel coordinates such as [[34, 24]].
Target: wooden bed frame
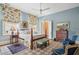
[[37, 37], [33, 38]]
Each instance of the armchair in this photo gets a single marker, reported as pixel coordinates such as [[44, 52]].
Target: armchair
[[69, 50], [61, 51], [66, 42]]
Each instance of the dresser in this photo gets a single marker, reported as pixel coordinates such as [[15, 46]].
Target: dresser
[[61, 35]]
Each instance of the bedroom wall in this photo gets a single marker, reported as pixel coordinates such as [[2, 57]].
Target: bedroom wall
[[1, 17], [30, 18], [71, 15], [23, 16]]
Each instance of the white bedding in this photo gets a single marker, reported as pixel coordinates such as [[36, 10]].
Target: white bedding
[[26, 37]]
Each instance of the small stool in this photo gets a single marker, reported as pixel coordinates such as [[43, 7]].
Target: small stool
[[41, 43]]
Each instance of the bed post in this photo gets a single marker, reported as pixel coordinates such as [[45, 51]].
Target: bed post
[[31, 38], [45, 34]]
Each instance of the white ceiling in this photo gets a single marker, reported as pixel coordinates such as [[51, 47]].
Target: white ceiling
[[33, 8]]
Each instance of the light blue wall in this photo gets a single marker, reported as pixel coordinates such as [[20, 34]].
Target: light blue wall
[[71, 15], [1, 17], [23, 16]]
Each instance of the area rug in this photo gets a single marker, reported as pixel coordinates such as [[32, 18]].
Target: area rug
[[14, 49]]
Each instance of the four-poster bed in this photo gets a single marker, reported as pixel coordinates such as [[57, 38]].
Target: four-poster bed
[[32, 38]]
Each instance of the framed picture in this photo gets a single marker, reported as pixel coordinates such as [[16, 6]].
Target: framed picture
[[63, 25], [24, 24]]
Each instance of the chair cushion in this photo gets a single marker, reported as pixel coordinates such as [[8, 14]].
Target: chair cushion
[[65, 42], [74, 38], [58, 51], [71, 42]]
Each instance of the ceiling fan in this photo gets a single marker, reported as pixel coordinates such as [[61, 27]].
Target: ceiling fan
[[41, 9]]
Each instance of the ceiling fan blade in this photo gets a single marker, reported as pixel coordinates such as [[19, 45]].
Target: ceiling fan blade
[[45, 9], [36, 9], [41, 10]]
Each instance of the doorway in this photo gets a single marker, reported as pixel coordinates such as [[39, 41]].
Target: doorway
[[47, 28]]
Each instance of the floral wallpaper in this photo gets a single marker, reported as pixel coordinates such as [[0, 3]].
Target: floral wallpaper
[[11, 14], [32, 20]]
